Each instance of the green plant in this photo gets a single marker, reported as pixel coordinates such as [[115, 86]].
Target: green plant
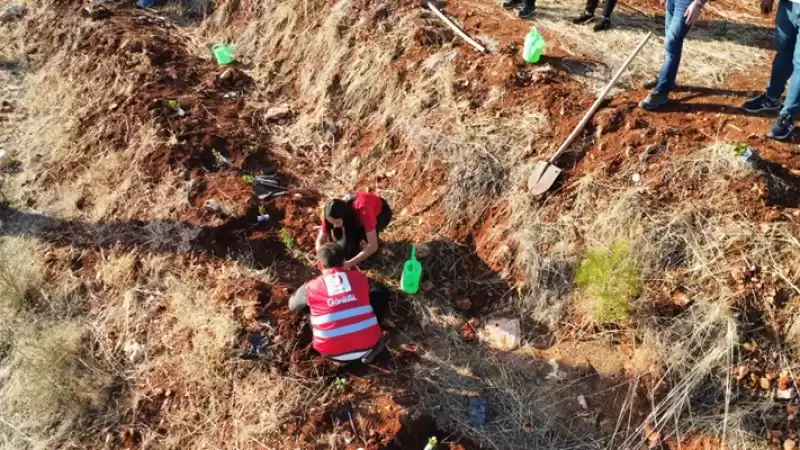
[[217, 155], [174, 105], [262, 211], [740, 148], [287, 238], [249, 179], [609, 279], [340, 383]]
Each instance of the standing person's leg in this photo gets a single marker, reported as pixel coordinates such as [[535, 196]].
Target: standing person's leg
[[528, 9], [587, 14], [782, 67], [784, 124], [605, 22], [298, 302], [675, 33], [379, 300]]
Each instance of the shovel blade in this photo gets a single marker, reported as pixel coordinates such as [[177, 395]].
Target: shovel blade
[[542, 178]]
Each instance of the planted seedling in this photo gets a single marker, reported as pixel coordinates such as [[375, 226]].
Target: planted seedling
[[175, 106], [433, 443], [287, 239], [262, 214], [743, 151], [249, 179], [219, 160], [340, 383]]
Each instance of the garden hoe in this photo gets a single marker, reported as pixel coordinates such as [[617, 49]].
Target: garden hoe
[[545, 173]]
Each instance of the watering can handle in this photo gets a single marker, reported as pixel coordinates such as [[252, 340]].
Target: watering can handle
[[414, 252]]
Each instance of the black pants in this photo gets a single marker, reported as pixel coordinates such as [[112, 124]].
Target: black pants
[[350, 240], [378, 299], [608, 7]]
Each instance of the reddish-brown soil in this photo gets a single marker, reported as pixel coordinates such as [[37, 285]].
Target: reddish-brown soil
[[213, 124]]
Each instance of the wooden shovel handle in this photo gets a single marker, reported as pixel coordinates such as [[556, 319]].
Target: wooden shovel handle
[[599, 100], [456, 28]]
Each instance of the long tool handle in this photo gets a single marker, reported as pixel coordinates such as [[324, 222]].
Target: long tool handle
[[456, 28], [599, 101]]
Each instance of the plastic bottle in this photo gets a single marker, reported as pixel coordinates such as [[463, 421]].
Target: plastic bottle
[[412, 273], [534, 46], [223, 53]]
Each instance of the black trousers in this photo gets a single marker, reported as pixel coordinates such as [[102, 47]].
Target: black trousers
[[378, 299], [350, 240], [608, 7]]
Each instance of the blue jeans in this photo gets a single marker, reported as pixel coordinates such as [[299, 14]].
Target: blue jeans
[[675, 31], [787, 57]]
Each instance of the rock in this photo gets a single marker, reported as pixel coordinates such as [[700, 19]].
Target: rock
[[765, 383], [469, 331], [134, 351], [785, 394], [463, 304], [12, 12], [5, 160], [213, 206], [582, 401], [427, 285], [742, 372], [555, 372], [789, 444], [784, 381], [423, 251], [251, 312], [277, 113], [636, 178], [680, 299], [653, 436], [502, 334]]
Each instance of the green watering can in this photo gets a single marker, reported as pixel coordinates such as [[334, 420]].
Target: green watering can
[[412, 274], [534, 46], [223, 53]]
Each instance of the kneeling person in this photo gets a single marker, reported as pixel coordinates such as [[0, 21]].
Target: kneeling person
[[344, 311]]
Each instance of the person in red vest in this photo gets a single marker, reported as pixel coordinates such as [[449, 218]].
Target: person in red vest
[[353, 220], [345, 314]]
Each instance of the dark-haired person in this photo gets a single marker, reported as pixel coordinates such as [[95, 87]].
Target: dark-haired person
[[344, 313], [353, 220], [588, 14]]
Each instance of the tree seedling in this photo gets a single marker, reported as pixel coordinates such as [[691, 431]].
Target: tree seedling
[[249, 179], [219, 160], [175, 106], [340, 383], [262, 214], [287, 239], [433, 443]]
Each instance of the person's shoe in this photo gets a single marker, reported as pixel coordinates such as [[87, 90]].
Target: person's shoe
[[369, 357], [654, 100], [511, 4], [650, 83], [762, 103], [782, 127], [583, 18], [527, 12], [604, 24]]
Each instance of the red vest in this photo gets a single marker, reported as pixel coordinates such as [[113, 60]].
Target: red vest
[[342, 319]]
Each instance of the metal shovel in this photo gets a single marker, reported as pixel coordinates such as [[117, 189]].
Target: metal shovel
[[545, 173]]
